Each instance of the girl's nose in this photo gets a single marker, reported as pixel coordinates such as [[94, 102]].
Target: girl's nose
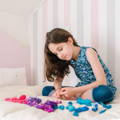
[[63, 56]]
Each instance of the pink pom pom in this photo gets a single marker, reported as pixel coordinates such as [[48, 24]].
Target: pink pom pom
[[7, 99], [22, 97], [14, 98]]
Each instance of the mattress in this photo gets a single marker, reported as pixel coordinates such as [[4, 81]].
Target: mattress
[[16, 111]]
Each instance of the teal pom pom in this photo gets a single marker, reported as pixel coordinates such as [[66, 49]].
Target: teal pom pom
[[61, 107]]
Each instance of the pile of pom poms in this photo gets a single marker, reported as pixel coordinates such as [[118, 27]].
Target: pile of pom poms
[[51, 106]]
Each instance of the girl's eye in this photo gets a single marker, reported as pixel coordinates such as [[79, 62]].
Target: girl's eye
[[60, 49]]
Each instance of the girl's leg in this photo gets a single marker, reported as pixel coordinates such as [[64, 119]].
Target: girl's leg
[[101, 93], [87, 95], [48, 90]]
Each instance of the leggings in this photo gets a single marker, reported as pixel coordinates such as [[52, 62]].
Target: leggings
[[102, 93]]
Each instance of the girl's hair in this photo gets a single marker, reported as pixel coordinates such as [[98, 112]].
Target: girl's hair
[[54, 67]]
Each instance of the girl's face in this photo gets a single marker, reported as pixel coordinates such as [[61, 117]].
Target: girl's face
[[63, 51]]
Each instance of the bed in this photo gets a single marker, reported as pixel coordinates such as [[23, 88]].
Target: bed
[[16, 111]]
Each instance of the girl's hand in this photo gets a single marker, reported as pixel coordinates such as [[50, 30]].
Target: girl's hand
[[57, 93], [68, 92]]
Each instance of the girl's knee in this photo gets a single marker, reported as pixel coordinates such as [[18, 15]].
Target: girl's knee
[[46, 90], [103, 94]]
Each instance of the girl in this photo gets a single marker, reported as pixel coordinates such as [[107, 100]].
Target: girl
[[61, 50]]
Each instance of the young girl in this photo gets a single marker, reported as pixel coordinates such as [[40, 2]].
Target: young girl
[[61, 50]]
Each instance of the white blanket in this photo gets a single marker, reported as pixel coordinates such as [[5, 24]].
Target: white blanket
[[16, 111]]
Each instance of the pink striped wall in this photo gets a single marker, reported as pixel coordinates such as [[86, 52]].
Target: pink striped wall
[[94, 23]]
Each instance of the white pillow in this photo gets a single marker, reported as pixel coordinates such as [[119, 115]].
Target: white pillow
[[12, 76]]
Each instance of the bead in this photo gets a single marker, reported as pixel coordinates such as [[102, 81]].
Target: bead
[[7, 99], [71, 108], [76, 114], [51, 106], [94, 109], [84, 101], [108, 106], [61, 107], [102, 111], [82, 109], [105, 106], [22, 97], [70, 103]]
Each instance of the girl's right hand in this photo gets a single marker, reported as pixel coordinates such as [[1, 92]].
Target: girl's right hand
[[57, 93]]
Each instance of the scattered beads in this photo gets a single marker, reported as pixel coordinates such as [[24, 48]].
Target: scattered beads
[[21, 99], [76, 111], [51, 106], [105, 106], [48, 106]]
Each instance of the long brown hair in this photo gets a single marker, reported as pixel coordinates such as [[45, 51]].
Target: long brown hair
[[54, 67]]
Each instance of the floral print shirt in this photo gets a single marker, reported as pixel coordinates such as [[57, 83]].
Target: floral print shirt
[[84, 72]]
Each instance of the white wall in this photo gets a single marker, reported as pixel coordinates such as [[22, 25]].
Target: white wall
[[16, 30], [15, 39], [16, 26]]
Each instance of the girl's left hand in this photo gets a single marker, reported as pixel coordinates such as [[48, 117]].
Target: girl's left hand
[[68, 92]]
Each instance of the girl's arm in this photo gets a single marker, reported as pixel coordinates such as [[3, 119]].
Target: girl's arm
[[58, 83], [96, 66], [82, 89], [97, 70], [77, 91]]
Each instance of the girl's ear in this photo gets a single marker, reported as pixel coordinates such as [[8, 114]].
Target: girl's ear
[[70, 40]]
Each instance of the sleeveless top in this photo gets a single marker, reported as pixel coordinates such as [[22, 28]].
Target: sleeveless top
[[84, 71]]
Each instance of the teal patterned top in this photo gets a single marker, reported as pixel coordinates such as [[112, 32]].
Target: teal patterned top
[[84, 72]]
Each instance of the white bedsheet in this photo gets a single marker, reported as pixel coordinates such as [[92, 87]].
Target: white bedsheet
[[16, 111]]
